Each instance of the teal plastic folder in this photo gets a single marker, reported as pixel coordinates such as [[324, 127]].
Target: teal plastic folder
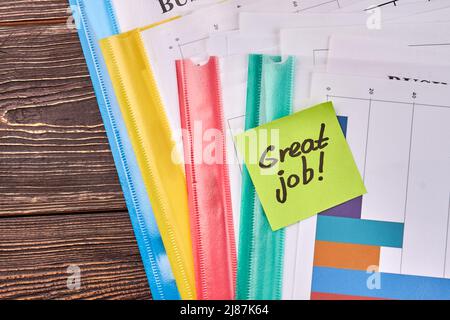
[[261, 251]]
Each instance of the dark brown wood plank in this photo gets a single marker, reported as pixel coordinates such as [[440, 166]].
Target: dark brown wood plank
[[54, 154], [54, 163], [35, 11], [35, 253]]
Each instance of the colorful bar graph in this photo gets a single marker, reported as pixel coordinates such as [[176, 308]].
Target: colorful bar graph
[[346, 256], [366, 232], [391, 286]]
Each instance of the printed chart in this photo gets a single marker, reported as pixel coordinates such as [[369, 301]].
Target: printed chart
[[392, 243]]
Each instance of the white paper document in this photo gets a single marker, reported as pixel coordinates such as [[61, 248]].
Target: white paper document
[[421, 60], [312, 47], [257, 22], [407, 6], [132, 14], [398, 133]]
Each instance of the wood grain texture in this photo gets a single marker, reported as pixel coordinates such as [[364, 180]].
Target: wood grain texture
[[54, 154], [35, 253], [19, 12], [57, 176]]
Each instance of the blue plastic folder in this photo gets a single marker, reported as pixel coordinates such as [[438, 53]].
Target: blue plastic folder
[[96, 20]]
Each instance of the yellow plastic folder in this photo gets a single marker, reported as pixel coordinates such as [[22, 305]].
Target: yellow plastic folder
[[152, 140]]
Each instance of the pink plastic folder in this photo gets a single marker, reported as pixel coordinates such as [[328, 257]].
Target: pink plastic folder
[[207, 179]]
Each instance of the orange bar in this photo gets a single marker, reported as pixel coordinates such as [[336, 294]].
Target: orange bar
[[330, 296], [346, 255]]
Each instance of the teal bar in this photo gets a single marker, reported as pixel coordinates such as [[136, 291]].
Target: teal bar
[[356, 231]]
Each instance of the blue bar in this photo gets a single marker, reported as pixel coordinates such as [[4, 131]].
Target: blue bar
[[343, 122], [392, 286], [356, 231]]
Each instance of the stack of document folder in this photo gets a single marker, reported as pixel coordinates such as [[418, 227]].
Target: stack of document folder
[[177, 81]]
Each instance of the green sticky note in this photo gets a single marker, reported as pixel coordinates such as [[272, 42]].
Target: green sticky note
[[301, 165]]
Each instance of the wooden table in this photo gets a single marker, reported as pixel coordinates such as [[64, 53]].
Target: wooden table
[[60, 200]]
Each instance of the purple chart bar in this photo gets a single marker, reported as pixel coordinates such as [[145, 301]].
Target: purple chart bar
[[349, 209]]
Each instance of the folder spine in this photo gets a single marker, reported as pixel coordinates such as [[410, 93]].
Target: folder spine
[[208, 183], [261, 250], [151, 137], [112, 16]]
